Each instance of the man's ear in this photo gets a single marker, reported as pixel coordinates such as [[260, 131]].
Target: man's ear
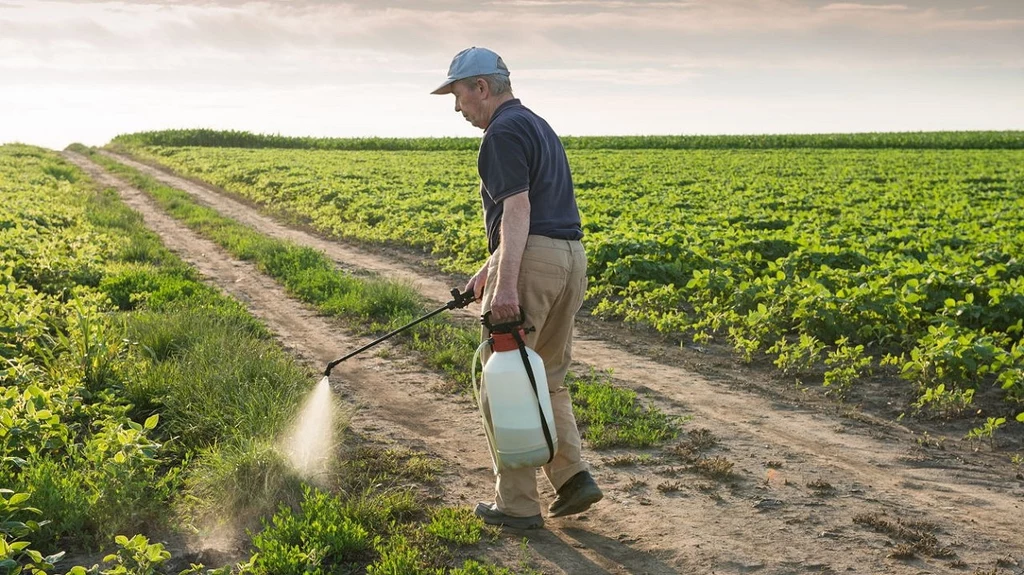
[[482, 86]]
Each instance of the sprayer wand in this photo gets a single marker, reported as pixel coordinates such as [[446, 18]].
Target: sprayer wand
[[459, 300]]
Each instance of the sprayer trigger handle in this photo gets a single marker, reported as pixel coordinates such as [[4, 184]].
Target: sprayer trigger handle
[[461, 300]]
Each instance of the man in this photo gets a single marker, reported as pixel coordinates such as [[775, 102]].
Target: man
[[536, 261]]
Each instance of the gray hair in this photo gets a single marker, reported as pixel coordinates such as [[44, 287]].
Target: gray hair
[[498, 84]]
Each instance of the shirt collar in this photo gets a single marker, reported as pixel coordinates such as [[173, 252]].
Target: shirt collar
[[504, 106]]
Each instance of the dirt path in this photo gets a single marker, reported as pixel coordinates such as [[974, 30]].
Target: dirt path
[[774, 514]]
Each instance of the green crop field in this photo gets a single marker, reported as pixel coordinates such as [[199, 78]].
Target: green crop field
[[825, 260], [128, 387]]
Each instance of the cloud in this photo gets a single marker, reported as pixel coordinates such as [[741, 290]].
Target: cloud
[[970, 25], [616, 41], [579, 77], [591, 66], [847, 6], [602, 4]]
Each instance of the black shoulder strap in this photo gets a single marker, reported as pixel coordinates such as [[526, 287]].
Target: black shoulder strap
[[533, 383]]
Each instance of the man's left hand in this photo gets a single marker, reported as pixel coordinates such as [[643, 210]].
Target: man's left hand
[[505, 305]]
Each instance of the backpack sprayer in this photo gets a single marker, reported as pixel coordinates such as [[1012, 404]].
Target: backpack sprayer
[[512, 392]]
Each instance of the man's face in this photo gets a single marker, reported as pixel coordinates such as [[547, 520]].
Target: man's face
[[470, 101]]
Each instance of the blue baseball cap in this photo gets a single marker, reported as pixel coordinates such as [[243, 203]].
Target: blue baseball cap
[[469, 63]]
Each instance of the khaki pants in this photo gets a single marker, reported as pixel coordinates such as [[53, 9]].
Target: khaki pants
[[552, 282]]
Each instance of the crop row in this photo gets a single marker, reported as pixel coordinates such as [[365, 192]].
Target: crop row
[[839, 260], [902, 140]]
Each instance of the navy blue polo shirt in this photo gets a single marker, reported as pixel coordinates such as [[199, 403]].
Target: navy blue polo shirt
[[521, 152]]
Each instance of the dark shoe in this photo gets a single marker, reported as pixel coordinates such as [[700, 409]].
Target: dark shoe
[[576, 495], [492, 516]]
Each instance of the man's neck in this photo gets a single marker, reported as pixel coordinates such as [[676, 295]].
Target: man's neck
[[498, 101]]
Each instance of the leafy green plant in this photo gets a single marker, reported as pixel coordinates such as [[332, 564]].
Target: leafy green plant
[[114, 480], [456, 525], [93, 345], [136, 556], [30, 421], [793, 357], [846, 363], [200, 569], [16, 555], [951, 354], [1017, 460], [947, 402], [398, 557], [319, 535], [986, 430]]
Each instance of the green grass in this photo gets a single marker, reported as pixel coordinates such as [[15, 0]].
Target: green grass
[[233, 383], [232, 486], [610, 416]]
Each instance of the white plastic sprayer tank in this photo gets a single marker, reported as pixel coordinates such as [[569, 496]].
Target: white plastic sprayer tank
[[510, 408]]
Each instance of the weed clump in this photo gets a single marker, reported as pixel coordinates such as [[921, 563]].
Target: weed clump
[[913, 536]]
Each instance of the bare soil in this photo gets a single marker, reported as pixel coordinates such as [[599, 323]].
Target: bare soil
[[783, 480]]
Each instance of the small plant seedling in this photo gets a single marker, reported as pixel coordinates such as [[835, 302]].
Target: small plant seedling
[[635, 484], [917, 535], [702, 439], [670, 471], [821, 487], [987, 430], [926, 440], [670, 487], [627, 460], [715, 468], [902, 551]]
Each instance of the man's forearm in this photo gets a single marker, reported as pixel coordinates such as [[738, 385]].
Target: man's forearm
[[515, 228]]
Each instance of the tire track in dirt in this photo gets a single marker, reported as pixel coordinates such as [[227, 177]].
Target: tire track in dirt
[[772, 524]]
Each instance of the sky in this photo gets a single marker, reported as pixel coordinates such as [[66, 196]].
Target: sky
[[87, 70]]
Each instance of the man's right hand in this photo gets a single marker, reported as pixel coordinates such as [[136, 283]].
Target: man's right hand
[[477, 282]]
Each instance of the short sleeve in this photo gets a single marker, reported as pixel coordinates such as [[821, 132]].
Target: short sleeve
[[503, 165]]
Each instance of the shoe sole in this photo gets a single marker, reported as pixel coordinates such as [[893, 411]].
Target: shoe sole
[[510, 522], [580, 504], [522, 527]]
